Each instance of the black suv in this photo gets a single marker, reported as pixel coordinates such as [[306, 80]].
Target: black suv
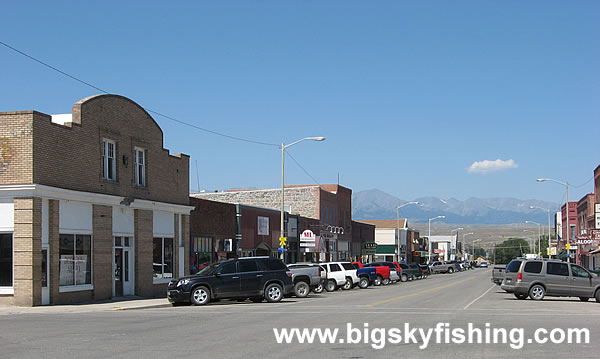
[[254, 277]]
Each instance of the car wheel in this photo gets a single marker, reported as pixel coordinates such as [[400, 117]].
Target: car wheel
[[331, 286], [537, 292], [403, 278], [348, 284], [273, 293], [450, 270], [584, 299], [378, 280], [385, 281], [318, 288], [200, 296], [520, 296], [257, 299], [597, 296], [301, 289], [363, 283]]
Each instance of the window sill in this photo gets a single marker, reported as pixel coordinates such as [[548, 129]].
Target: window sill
[[7, 290], [162, 281], [75, 288]]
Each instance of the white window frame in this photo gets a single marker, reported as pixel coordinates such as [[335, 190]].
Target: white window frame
[[140, 177], [105, 160], [10, 289], [162, 264], [79, 287]]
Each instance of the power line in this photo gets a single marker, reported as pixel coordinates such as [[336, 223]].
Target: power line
[[147, 109], [305, 171]]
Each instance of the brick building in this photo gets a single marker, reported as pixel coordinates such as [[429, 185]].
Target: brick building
[[330, 204], [396, 240], [91, 205]]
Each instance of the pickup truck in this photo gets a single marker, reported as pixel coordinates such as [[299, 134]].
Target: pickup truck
[[366, 275], [305, 277], [442, 267], [383, 271], [498, 274]]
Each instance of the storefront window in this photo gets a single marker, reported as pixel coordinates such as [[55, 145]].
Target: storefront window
[[202, 253], [6, 260], [75, 253], [162, 258]]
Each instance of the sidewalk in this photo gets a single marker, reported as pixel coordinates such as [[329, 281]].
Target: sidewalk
[[123, 303]]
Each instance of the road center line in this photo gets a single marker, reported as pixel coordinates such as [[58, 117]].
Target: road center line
[[419, 293], [481, 296]]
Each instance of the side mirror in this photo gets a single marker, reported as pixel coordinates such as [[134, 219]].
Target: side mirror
[[594, 275], [217, 274]]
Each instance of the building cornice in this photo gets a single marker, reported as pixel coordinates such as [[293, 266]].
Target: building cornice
[[48, 192]]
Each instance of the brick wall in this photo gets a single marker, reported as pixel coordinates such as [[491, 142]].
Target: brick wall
[[302, 200], [102, 252], [70, 156], [27, 251], [16, 147], [143, 253], [204, 218]]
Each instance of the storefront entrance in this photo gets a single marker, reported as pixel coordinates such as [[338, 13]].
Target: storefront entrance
[[123, 283]]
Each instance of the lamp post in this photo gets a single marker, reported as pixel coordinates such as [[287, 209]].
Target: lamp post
[[429, 237], [547, 210], [533, 240], [566, 184], [455, 244], [475, 240], [539, 235], [465, 243], [283, 147], [398, 218]]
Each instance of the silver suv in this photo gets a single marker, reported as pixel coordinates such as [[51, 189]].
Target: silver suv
[[538, 278]]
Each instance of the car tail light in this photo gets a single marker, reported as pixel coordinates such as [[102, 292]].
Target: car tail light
[[319, 270], [289, 274], [519, 277]]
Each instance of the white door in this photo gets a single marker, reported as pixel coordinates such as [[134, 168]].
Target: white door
[[128, 273], [45, 276]]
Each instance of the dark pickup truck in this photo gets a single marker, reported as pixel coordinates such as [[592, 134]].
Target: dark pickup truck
[[366, 275]]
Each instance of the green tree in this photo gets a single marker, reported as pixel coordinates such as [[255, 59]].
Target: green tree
[[511, 249]]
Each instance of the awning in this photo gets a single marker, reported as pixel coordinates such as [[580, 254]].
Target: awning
[[386, 249]]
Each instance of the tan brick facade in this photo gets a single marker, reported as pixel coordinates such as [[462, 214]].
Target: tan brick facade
[[41, 160]]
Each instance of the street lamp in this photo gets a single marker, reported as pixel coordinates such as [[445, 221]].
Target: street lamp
[[475, 240], [398, 217], [566, 184], [532, 243], [283, 147], [547, 210], [429, 237], [465, 243], [539, 235]]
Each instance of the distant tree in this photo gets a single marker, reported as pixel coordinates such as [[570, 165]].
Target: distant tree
[[511, 249]]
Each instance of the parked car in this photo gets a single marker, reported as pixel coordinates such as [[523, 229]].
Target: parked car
[[340, 274], [389, 266], [498, 274], [315, 288], [304, 278], [366, 275], [383, 273], [442, 267], [483, 265], [416, 270], [256, 278], [538, 278], [404, 271], [394, 276]]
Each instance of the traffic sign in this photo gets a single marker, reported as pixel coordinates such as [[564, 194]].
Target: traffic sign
[[282, 241], [568, 245]]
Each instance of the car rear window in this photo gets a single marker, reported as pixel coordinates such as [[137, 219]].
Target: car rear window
[[533, 267], [513, 266], [348, 266], [272, 264]]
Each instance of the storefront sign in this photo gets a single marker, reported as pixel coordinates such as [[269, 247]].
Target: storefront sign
[[308, 236], [370, 248], [308, 244]]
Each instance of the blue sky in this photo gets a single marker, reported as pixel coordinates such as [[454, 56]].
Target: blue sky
[[408, 94]]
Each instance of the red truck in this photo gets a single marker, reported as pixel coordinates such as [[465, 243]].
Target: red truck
[[383, 274]]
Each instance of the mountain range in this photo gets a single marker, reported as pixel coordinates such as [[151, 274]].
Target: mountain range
[[376, 204]]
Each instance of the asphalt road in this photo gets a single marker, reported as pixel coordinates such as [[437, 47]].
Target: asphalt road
[[233, 330]]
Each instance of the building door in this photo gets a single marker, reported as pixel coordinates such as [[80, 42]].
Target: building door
[[45, 277], [123, 278]]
